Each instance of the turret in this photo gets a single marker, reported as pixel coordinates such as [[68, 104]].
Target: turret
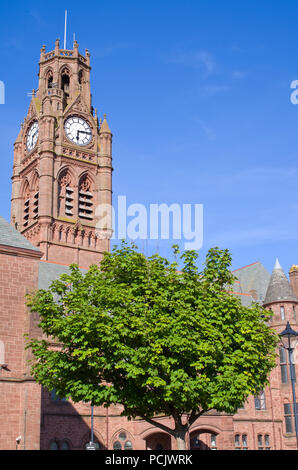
[[280, 298]]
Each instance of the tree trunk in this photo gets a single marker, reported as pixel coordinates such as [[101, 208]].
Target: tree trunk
[[180, 439]]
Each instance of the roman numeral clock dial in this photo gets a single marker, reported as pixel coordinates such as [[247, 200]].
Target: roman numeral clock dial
[[77, 130], [32, 136]]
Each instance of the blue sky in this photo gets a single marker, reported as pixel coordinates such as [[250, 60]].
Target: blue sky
[[197, 95]]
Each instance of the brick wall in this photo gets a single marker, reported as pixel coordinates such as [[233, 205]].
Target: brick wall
[[19, 394]]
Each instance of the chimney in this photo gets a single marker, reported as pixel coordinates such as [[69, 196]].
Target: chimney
[[294, 279]]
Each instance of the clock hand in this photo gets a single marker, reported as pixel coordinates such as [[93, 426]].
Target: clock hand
[[33, 137], [84, 132]]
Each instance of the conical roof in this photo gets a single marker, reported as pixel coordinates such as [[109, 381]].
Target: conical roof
[[279, 288], [105, 126]]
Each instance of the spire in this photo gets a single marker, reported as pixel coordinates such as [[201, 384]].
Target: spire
[[105, 126], [277, 264], [279, 288]]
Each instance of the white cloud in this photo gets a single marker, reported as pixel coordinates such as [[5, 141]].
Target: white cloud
[[195, 59]]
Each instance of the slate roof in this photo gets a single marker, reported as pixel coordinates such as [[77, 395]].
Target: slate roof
[[49, 272], [252, 283], [9, 236], [279, 288]]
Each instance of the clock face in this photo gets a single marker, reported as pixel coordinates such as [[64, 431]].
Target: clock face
[[78, 130], [32, 136]]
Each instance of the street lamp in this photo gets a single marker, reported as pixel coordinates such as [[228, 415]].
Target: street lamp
[[289, 338]]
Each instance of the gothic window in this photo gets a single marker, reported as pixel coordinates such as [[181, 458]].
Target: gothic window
[[122, 442], [35, 196], [80, 77], [26, 207], [65, 197], [65, 446], [65, 81], [85, 199], [117, 446], [54, 445], [50, 79]]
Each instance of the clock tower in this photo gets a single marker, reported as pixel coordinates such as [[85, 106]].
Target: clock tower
[[62, 171]]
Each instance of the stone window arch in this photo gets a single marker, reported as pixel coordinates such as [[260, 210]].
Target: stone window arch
[[65, 445], [26, 204], [85, 198], [49, 79], [65, 195], [81, 77], [65, 80], [54, 445], [122, 441], [35, 194]]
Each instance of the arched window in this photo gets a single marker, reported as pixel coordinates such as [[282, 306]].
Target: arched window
[[117, 445], [65, 195], [35, 189], [203, 440], [65, 446], [263, 442], [54, 445], [85, 198], [65, 81], [241, 442], [26, 205], [80, 77], [122, 442], [50, 79]]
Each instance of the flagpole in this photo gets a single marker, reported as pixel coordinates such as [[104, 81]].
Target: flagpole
[[65, 25]]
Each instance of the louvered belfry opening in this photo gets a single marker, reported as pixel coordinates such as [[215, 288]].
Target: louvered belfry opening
[[26, 209], [85, 199], [35, 203], [65, 199]]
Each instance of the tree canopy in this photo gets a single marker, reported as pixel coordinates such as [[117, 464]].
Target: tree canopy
[[160, 341]]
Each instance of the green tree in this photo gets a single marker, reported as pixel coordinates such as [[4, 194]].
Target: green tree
[[159, 341]]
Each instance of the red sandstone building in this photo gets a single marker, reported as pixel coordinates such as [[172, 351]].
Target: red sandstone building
[[62, 171]]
